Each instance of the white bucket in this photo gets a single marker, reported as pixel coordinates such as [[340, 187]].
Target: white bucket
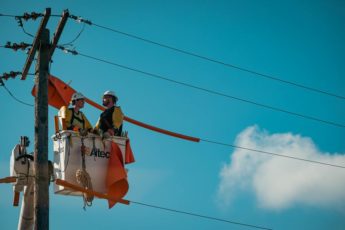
[[23, 169], [68, 159]]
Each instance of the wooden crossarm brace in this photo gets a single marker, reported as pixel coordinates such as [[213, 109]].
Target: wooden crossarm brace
[[58, 32], [35, 44], [9, 179], [16, 195]]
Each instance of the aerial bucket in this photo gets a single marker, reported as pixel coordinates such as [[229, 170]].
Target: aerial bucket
[[103, 159]]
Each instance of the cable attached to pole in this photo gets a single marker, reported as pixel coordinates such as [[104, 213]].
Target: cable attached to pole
[[196, 139], [213, 60], [152, 75], [18, 100], [79, 19], [6, 76]]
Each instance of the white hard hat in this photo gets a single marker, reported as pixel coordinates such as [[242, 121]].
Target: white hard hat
[[110, 93], [77, 96]]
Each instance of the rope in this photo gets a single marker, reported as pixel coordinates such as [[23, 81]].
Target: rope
[[84, 179], [94, 148], [68, 146]]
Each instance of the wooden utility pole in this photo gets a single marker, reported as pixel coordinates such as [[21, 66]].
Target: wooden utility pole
[[41, 168], [41, 135]]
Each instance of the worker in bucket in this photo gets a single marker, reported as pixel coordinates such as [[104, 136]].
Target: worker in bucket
[[110, 121], [74, 118]]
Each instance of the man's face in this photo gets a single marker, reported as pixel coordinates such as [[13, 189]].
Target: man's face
[[107, 100], [80, 103]]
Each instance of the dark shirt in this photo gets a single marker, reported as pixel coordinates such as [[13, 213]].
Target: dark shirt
[[106, 121]]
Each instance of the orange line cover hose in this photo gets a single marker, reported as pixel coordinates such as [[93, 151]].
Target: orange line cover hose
[[60, 93], [147, 126]]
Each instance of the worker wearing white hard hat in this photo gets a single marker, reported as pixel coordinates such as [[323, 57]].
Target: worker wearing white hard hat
[[74, 117], [110, 121], [112, 94]]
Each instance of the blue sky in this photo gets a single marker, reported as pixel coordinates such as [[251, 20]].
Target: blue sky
[[296, 41]]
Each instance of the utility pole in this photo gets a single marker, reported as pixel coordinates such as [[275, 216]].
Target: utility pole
[[41, 135], [41, 168]]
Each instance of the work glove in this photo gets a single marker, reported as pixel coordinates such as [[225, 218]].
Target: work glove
[[83, 132]]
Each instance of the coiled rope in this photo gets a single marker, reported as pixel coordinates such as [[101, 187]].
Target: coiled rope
[[84, 179]]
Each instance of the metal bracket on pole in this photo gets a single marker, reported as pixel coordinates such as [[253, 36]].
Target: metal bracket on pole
[[35, 44]]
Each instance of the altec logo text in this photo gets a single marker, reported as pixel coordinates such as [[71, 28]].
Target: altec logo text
[[99, 153]]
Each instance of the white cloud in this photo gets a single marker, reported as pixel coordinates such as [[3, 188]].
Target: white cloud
[[278, 182]]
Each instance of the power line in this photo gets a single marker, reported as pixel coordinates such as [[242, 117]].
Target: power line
[[20, 24], [266, 76], [80, 32], [206, 140], [20, 101], [197, 139], [6, 76], [214, 92], [271, 153], [26, 17], [216, 142], [152, 206], [198, 215], [270, 77], [7, 15], [208, 90], [27, 33]]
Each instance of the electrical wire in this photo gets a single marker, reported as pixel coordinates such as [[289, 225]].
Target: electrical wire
[[209, 91], [266, 76], [27, 33], [271, 153], [80, 32], [212, 91], [20, 22], [20, 101], [201, 216], [21, 25], [270, 77], [205, 58], [206, 140], [7, 15]]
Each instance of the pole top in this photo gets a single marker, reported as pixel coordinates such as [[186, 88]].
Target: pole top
[[33, 50]]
